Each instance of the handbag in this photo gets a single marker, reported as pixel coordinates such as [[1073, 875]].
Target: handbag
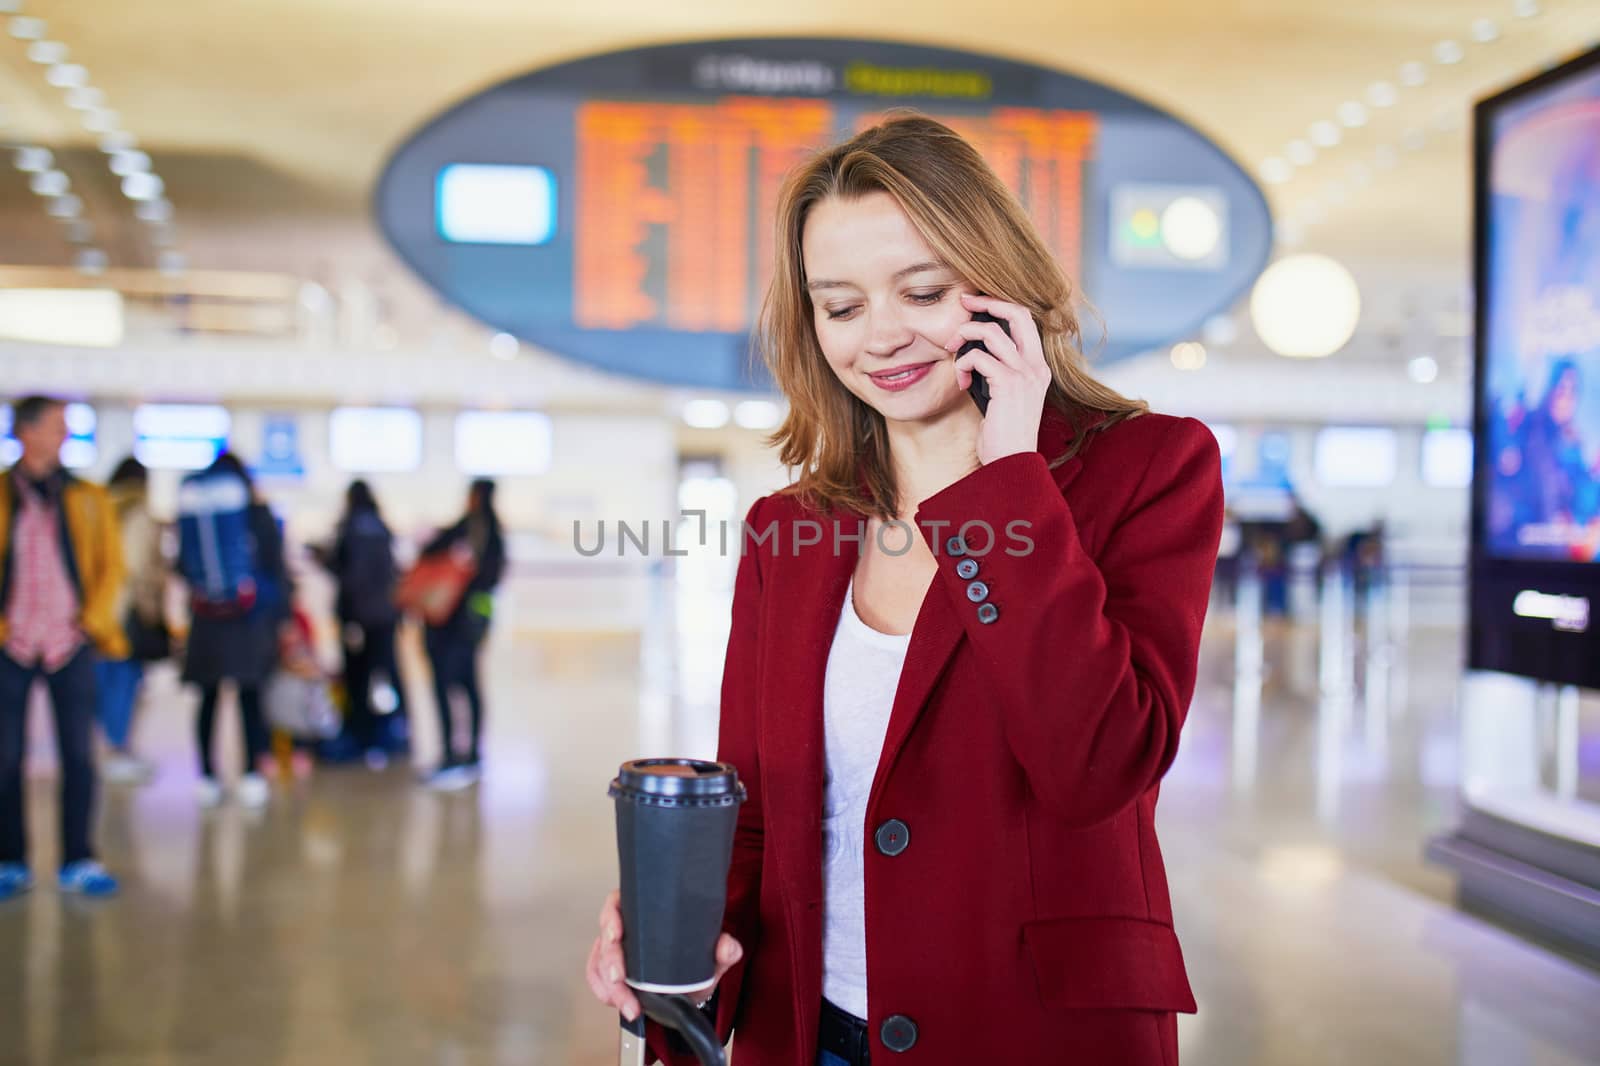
[[433, 588], [148, 642], [300, 706]]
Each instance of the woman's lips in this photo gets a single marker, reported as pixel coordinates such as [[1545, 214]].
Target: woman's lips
[[901, 379]]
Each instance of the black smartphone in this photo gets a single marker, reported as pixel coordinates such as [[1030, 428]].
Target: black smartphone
[[979, 389]]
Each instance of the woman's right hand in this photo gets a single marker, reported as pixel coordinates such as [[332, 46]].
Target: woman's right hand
[[606, 972]]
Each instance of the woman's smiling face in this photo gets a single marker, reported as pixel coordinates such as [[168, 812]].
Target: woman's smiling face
[[883, 305]]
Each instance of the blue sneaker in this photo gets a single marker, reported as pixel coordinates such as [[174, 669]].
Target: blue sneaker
[[87, 878], [14, 879]]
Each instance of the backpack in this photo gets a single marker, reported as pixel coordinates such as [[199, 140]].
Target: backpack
[[367, 576], [216, 551]]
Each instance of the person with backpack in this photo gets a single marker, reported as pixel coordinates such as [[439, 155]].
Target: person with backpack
[[230, 552], [453, 643], [361, 559]]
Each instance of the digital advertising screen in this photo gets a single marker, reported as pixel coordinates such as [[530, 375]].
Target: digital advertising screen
[[1536, 493]]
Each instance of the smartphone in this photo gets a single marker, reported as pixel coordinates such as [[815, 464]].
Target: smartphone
[[979, 389]]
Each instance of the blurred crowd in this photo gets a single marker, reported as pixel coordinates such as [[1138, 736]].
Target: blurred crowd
[[85, 576]]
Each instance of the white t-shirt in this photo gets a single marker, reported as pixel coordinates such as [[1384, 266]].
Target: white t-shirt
[[863, 672]]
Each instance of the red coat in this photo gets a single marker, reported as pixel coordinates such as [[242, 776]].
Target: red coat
[[1024, 915]]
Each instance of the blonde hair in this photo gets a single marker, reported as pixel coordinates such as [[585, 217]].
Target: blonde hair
[[972, 222]]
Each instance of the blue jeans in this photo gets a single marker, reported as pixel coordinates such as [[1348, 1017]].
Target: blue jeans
[[119, 689], [72, 698], [828, 1058]]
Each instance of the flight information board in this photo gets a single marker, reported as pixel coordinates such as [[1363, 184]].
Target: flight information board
[[620, 209]]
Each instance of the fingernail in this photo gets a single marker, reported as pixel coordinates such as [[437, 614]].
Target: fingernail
[[611, 934], [614, 974], [630, 1012]]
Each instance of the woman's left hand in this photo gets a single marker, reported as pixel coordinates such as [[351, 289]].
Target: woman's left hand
[[1015, 369]]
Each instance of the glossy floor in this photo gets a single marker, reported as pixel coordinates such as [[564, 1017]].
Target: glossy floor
[[362, 920]]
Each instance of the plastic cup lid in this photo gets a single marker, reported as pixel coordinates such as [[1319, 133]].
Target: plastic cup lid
[[678, 782]]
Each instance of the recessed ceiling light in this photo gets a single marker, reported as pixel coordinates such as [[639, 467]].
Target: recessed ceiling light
[[503, 346], [1447, 53], [142, 186], [32, 160], [67, 75], [171, 263], [117, 141], [24, 28], [50, 183], [100, 120], [1413, 139], [705, 414], [1352, 114], [1300, 153], [1381, 94], [1188, 355], [80, 231], [1424, 369], [65, 207], [85, 97], [1485, 31], [1413, 74], [91, 261], [154, 211], [47, 52], [1324, 134], [129, 162], [1275, 170], [1525, 9]]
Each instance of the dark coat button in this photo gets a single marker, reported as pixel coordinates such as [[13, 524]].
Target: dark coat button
[[988, 613], [977, 592], [955, 546], [898, 1033], [892, 837], [967, 568]]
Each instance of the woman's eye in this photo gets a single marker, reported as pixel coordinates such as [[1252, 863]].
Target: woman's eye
[[840, 312], [928, 298]]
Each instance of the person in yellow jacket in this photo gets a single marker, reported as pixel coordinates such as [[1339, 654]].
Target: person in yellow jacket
[[61, 573]]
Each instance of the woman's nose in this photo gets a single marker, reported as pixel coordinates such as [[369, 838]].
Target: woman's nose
[[888, 333]]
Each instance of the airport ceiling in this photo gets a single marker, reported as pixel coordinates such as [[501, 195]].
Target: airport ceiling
[[277, 110]]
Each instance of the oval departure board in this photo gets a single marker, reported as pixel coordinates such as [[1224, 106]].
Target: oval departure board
[[618, 209]]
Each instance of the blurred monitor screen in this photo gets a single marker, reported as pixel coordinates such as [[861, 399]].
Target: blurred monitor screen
[[1355, 457], [1540, 334], [179, 436], [496, 204], [1447, 458], [375, 440], [78, 452], [502, 443]]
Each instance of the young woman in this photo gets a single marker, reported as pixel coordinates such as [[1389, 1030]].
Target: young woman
[[361, 558], [143, 610], [453, 645], [953, 728]]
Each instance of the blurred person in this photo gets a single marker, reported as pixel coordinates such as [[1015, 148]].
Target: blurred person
[[59, 589], [231, 556], [453, 645], [1557, 484], [142, 609], [953, 729], [361, 559]]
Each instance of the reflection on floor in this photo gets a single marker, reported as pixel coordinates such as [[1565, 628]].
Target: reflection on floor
[[362, 920]]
